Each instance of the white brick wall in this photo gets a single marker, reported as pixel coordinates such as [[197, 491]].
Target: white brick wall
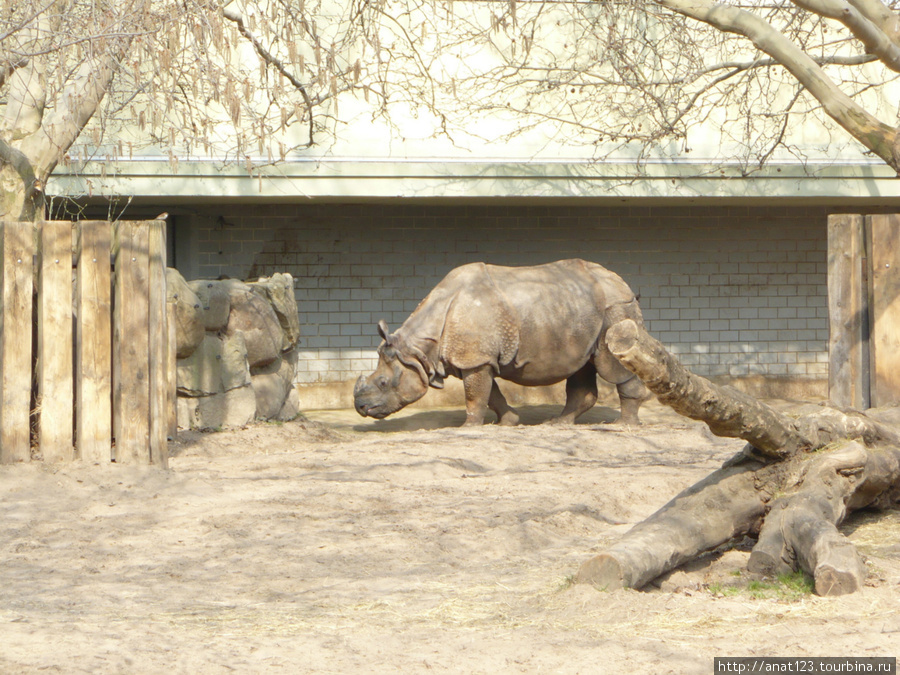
[[734, 291]]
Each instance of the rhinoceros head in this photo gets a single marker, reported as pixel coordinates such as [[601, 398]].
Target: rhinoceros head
[[402, 376]]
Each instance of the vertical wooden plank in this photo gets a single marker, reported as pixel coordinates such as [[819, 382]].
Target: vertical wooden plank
[[116, 361], [172, 370], [55, 342], [17, 283], [884, 301], [848, 347], [158, 336], [130, 332], [93, 343]]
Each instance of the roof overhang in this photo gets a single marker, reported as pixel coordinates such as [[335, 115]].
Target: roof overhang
[[455, 180]]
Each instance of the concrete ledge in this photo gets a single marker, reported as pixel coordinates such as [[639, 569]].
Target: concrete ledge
[[199, 180]]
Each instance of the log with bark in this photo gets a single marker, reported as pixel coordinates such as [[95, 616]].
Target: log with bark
[[791, 486]]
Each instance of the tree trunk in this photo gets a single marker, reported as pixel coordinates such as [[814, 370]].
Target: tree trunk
[[21, 197], [823, 465]]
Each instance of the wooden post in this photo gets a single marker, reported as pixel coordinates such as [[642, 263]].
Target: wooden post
[[883, 236], [93, 343], [158, 336], [848, 343], [131, 399], [54, 376], [17, 283]]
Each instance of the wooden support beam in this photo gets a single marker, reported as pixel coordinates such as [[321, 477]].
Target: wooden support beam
[[93, 343], [131, 398], [16, 286], [883, 235], [157, 335], [54, 377], [848, 313]]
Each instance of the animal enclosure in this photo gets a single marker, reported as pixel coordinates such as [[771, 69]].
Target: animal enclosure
[[87, 369]]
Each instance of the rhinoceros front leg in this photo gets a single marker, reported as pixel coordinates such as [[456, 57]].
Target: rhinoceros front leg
[[477, 383], [483, 393]]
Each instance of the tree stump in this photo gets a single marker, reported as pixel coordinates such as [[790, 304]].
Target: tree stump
[[792, 485]]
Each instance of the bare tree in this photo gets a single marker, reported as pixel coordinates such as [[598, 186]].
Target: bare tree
[[644, 78], [83, 80], [45, 108], [256, 83]]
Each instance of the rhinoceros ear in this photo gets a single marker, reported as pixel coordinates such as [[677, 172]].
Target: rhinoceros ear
[[383, 330]]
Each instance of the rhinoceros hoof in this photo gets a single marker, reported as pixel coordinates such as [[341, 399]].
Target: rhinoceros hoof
[[508, 419], [561, 421]]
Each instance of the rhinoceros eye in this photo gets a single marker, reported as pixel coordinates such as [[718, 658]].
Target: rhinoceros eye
[[381, 382]]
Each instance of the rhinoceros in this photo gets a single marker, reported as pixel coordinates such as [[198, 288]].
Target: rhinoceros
[[530, 325]]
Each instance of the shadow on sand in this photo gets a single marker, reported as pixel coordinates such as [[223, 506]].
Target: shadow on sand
[[438, 418]]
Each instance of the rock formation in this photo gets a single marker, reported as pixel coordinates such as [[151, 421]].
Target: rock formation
[[236, 350]]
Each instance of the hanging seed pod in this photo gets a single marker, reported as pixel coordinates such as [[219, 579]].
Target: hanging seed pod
[[235, 111]]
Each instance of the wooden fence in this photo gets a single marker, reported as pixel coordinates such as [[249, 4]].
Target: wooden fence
[[84, 342], [864, 310]]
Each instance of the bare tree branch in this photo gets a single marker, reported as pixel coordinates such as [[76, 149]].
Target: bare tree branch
[[236, 18], [866, 31], [877, 136]]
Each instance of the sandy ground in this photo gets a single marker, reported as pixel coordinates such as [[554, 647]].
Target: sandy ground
[[334, 544]]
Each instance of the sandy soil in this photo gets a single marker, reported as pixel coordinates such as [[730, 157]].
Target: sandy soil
[[334, 544]]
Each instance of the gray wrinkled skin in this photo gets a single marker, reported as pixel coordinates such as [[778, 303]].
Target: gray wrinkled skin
[[530, 325]]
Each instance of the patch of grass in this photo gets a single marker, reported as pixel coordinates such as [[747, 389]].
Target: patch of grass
[[789, 587], [727, 591], [566, 583], [797, 584]]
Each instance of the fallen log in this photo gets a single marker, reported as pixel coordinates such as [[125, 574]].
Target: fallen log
[[717, 509], [791, 486]]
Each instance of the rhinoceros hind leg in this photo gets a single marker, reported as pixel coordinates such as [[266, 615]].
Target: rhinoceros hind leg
[[631, 394], [581, 395], [507, 416]]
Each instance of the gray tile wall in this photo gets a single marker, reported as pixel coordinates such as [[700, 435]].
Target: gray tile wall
[[734, 291]]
